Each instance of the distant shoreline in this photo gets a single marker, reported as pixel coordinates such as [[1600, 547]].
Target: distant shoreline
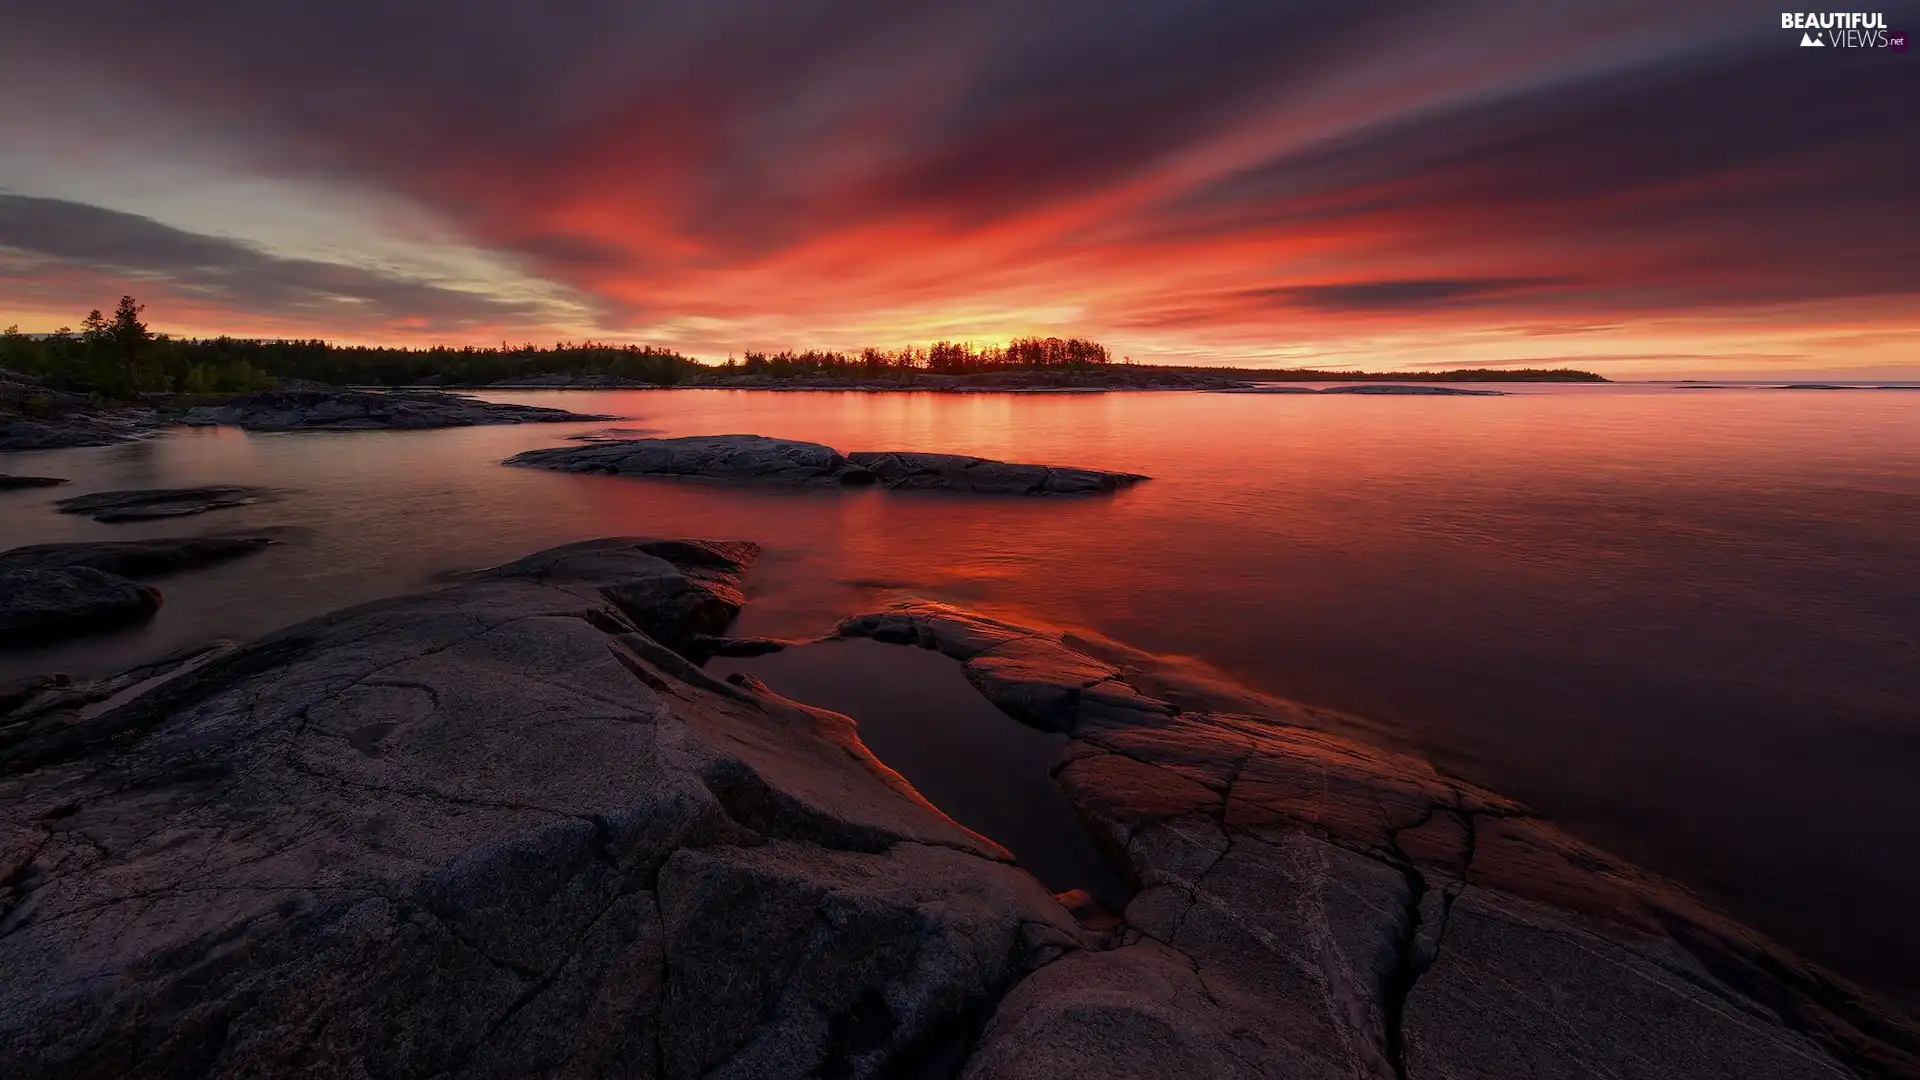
[[1031, 380]]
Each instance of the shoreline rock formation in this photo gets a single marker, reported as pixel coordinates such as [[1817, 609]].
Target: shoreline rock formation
[[757, 459], [499, 830], [510, 829], [63, 590], [36, 417], [370, 410], [1313, 906]]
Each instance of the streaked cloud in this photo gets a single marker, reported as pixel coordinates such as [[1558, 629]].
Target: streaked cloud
[[1202, 181]]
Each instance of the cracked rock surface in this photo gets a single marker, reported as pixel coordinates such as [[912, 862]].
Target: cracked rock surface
[[1311, 906], [500, 830], [758, 459], [508, 829]]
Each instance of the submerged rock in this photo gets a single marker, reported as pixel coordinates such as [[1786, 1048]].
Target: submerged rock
[[39, 604], [758, 459], [13, 483], [134, 558], [1312, 906], [370, 410], [149, 503], [500, 830]]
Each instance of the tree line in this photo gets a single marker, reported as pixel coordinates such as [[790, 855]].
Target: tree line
[[119, 357], [943, 357]]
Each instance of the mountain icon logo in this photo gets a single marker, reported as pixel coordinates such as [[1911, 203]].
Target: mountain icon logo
[[1808, 41]]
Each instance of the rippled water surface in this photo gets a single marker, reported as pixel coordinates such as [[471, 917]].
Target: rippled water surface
[[1685, 623]]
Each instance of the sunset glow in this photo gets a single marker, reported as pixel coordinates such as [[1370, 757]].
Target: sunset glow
[[1632, 188]]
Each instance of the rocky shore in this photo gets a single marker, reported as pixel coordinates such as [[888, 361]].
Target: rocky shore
[[760, 460], [509, 829], [34, 417], [369, 410], [52, 591]]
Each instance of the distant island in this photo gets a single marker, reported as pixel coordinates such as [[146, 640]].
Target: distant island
[[117, 357]]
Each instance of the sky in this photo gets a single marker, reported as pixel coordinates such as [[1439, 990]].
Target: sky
[[1645, 189]]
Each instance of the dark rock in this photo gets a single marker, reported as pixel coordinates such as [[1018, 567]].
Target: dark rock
[[1312, 906], [11, 483], [36, 417], [16, 694], [51, 718], [498, 830], [142, 505], [758, 459], [955, 472], [40, 604], [370, 410], [740, 458], [134, 558]]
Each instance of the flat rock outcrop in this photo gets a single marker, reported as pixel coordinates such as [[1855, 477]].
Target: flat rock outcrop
[[1311, 906], [739, 458], [500, 830], [758, 459], [370, 410], [148, 503], [984, 476], [134, 558], [38, 604], [15, 483]]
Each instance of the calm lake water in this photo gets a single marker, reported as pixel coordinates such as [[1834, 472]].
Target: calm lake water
[[1685, 623]]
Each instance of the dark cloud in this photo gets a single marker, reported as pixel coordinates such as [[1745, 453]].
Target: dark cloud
[[1723, 178], [1400, 294], [1664, 156], [85, 243]]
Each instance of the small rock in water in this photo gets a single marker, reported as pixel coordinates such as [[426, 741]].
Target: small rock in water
[[40, 604], [758, 459], [11, 483], [111, 506], [134, 558]]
